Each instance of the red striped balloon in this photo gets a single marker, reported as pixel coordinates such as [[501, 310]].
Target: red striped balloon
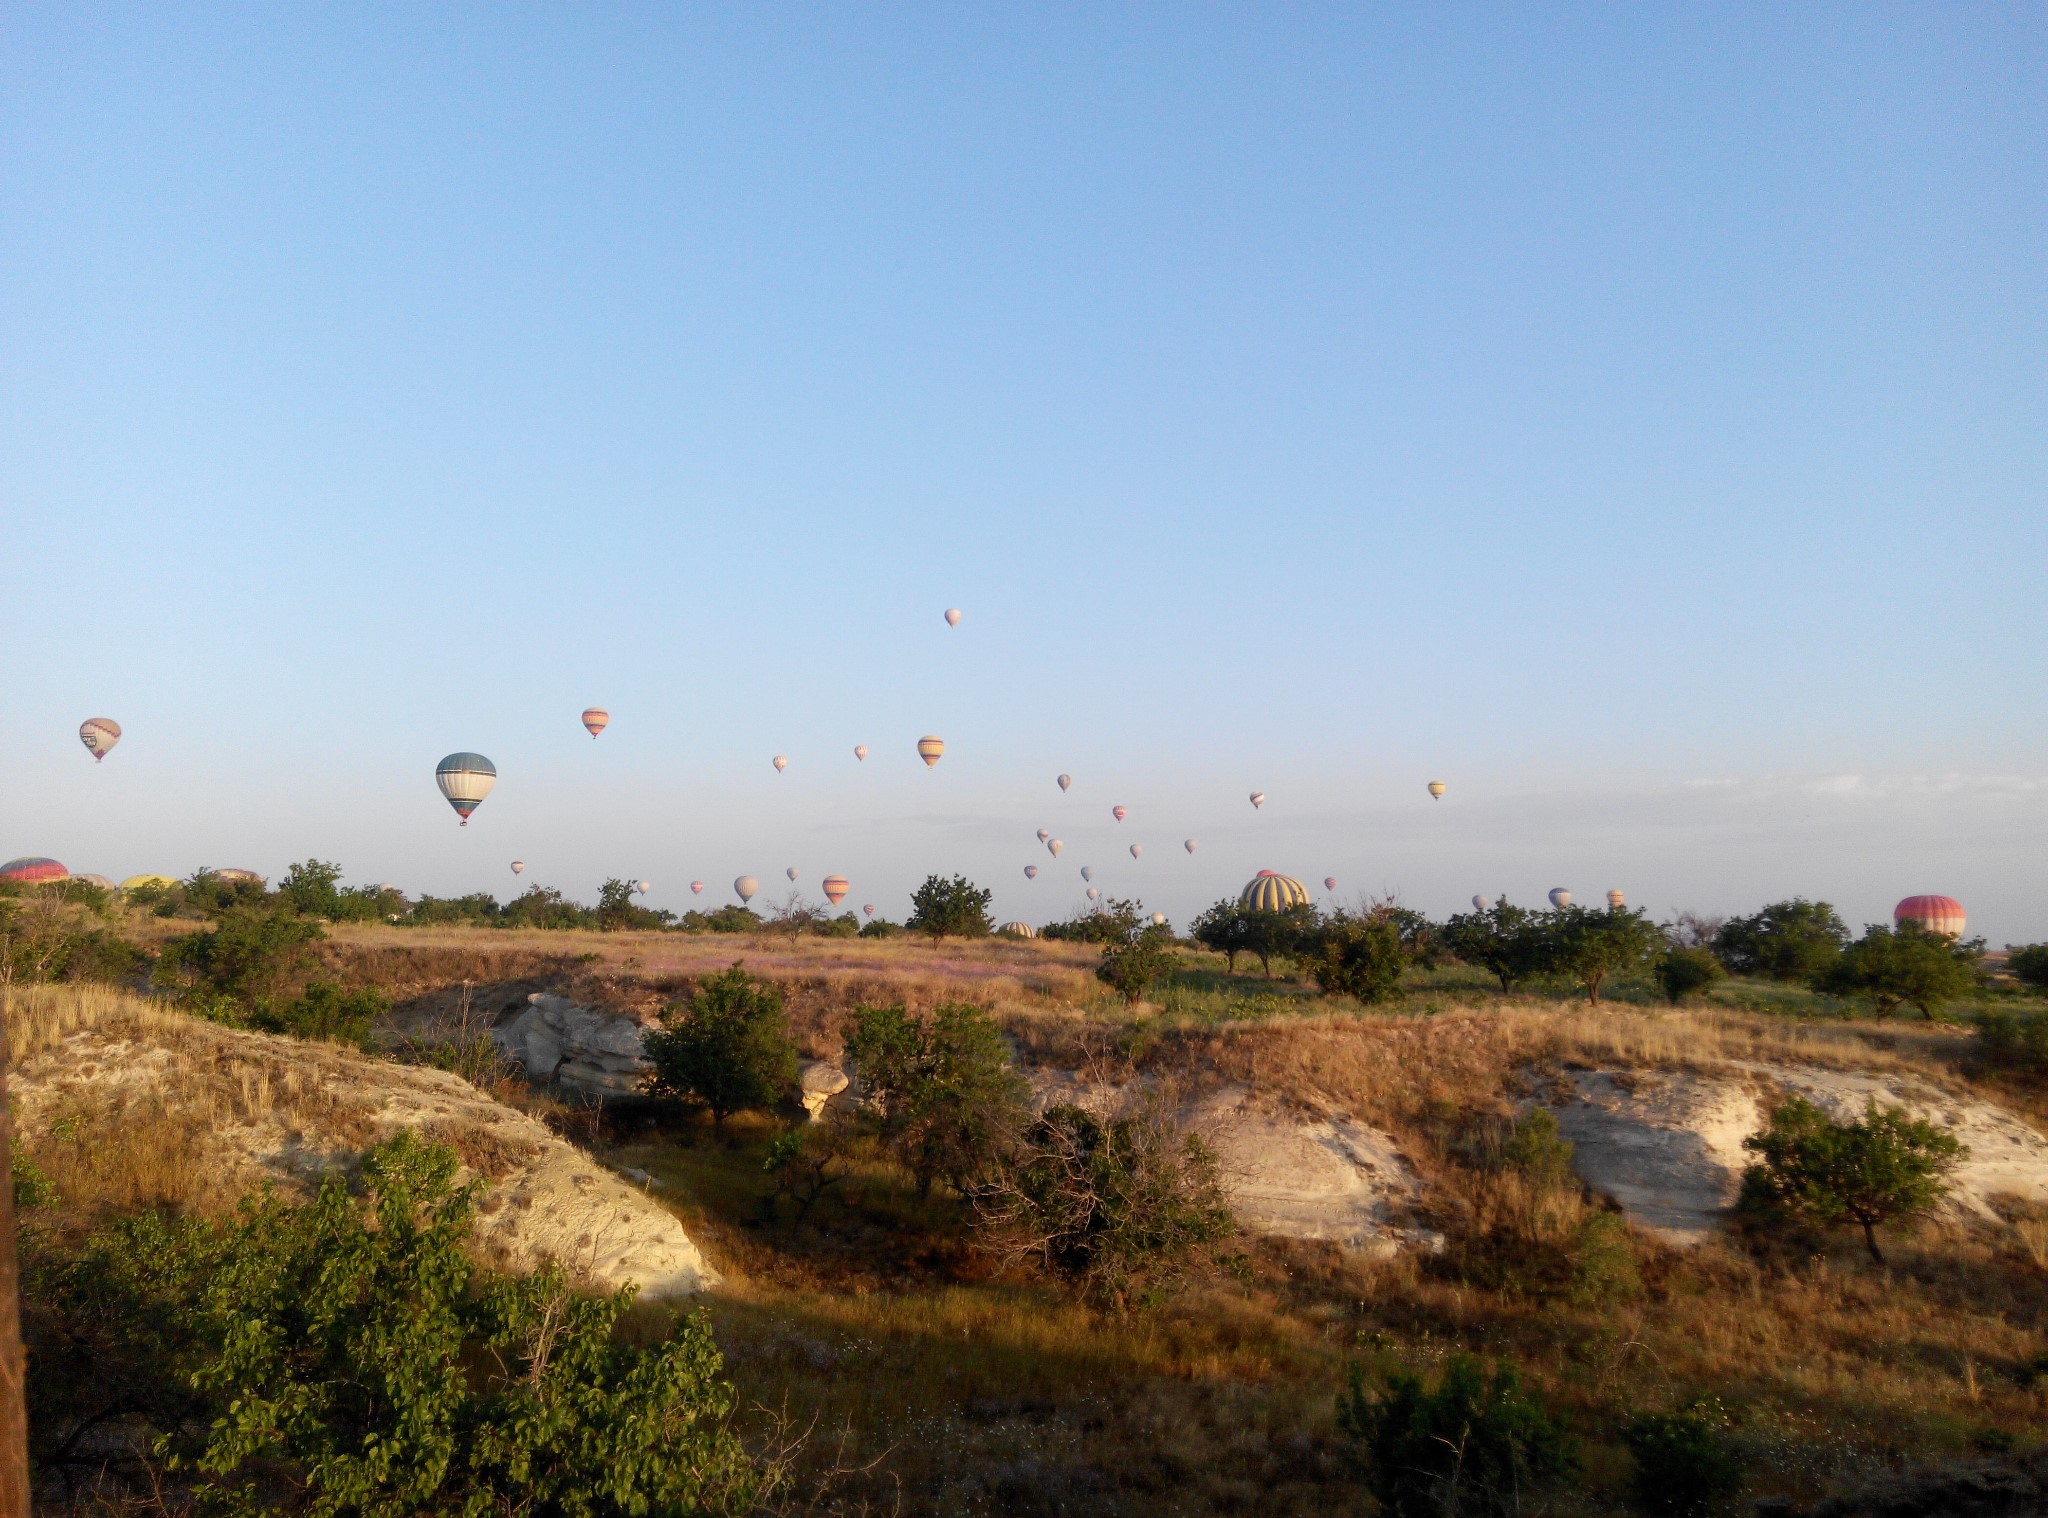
[[1937, 914]]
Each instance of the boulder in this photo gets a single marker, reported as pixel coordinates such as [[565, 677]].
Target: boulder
[[560, 1041], [817, 1083]]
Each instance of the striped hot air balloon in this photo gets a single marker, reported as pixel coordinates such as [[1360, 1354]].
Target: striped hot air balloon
[[1258, 799], [1616, 900], [696, 888], [746, 887], [1270, 891], [33, 869], [1119, 813], [1436, 789], [99, 735], [1937, 914], [465, 779], [834, 887], [595, 718], [1017, 930], [148, 883], [931, 750], [1329, 882]]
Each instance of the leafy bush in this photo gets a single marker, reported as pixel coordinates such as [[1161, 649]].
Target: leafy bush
[[1356, 956], [47, 937], [1906, 965], [1267, 934], [950, 908], [1588, 945], [2029, 965], [1505, 940], [2016, 1041], [1881, 1168], [1537, 1148], [1223, 929], [943, 1092], [312, 889], [617, 912], [1685, 1467], [434, 911], [730, 918], [1119, 1206], [1788, 940], [253, 953], [728, 1048], [1681, 972], [344, 1356], [1473, 1444], [880, 927], [1130, 966], [325, 1011], [1108, 922]]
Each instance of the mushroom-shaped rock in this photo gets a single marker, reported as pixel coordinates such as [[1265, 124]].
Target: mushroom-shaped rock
[[817, 1083]]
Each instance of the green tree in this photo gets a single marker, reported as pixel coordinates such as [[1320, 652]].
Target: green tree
[[1223, 930], [2013, 1041], [311, 888], [345, 1357], [252, 953], [1357, 956], [1505, 940], [2029, 965], [1472, 1444], [1685, 1466], [1113, 921], [943, 1092], [1268, 933], [1129, 967], [1589, 945], [1788, 940], [617, 912], [728, 1048], [1115, 1205], [324, 1011], [1878, 1169], [1681, 972], [1905, 965], [950, 908]]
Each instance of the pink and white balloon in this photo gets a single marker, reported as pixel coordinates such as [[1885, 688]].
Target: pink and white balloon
[[781, 763], [952, 616], [1030, 872]]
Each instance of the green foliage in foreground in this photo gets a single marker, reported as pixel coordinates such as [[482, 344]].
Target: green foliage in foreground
[[1881, 1168], [1906, 965], [728, 1048], [2013, 1041], [1472, 1444], [1685, 1466], [344, 1357]]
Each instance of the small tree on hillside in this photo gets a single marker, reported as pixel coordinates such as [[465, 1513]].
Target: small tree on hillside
[[1879, 1169], [728, 1048], [942, 1092], [1906, 965], [1589, 945], [1683, 971], [1357, 956], [1130, 967], [1269, 933], [252, 953], [1504, 940], [1788, 940], [2029, 965], [957, 908], [313, 889], [1223, 930]]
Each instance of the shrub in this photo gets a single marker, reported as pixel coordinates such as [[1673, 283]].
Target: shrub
[[1685, 1467], [880, 927], [1788, 940], [729, 918], [1130, 967], [1881, 1168], [944, 1092], [252, 953], [2029, 965], [1603, 1262], [312, 889], [1588, 945], [1504, 940], [1116, 1205], [956, 908], [325, 1011], [1356, 956], [728, 1049], [1894, 967], [1224, 930], [1681, 972], [1473, 1444], [1109, 922], [1539, 1150], [2016, 1041], [1283, 932], [344, 1356], [617, 912], [46, 937], [540, 906]]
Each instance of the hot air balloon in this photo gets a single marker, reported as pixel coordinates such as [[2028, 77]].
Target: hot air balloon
[[1118, 813], [790, 872], [696, 888], [1258, 799], [1436, 789], [1017, 930], [233, 876], [1616, 901], [834, 887], [952, 616], [1481, 904], [465, 779], [1158, 919], [1093, 894], [1137, 849], [519, 866], [781, 762], [1560, 898], [595, 718], [147, 882], [1043, 835], [95, 880], [99, 735], [1270, 891], [931, 750], [1030, 872], [1189, 845], [1329, 882], [33, 869], [869, 909], [644, 887], [1936, 914], [745, 887], [1087, 872], [860, 751], [1053, 847], [1065, 781]]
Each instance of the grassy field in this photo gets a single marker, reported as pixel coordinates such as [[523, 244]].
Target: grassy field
[[929, 1382]]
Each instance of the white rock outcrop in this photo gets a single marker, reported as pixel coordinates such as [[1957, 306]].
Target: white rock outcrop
[[817, 1084], [561, 1041]]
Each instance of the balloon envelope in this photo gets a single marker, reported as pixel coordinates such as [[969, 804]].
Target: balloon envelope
[[1065, 781], [519, 866], [1118, 813], [1481, 904], [696, 888], [952, 616], [781, 763], [595, 718], [834, 887], [1030, 872], [1329, 882], [1087, 872], [860, 751], [1158, 919], [465, 779], [99, 735], [33, 869], [1616, 900], [1560, 898], [1189, 845], [1043, 835], [1258, 798], [1137, 849], [745, 887], [1937, 914], [1436, 789], [644, 887], [869, 909], [1093, 894], [1270, 891], [1053, 847], [931, 750], [790, 872]]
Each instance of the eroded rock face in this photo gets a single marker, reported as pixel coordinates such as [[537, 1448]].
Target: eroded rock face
[[817, 1084], [558, 1040]]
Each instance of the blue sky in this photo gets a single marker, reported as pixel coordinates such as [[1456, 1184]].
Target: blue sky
[[1632, 417]]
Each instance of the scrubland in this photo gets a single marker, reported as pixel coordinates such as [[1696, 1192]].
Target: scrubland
[[926, 1380]]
